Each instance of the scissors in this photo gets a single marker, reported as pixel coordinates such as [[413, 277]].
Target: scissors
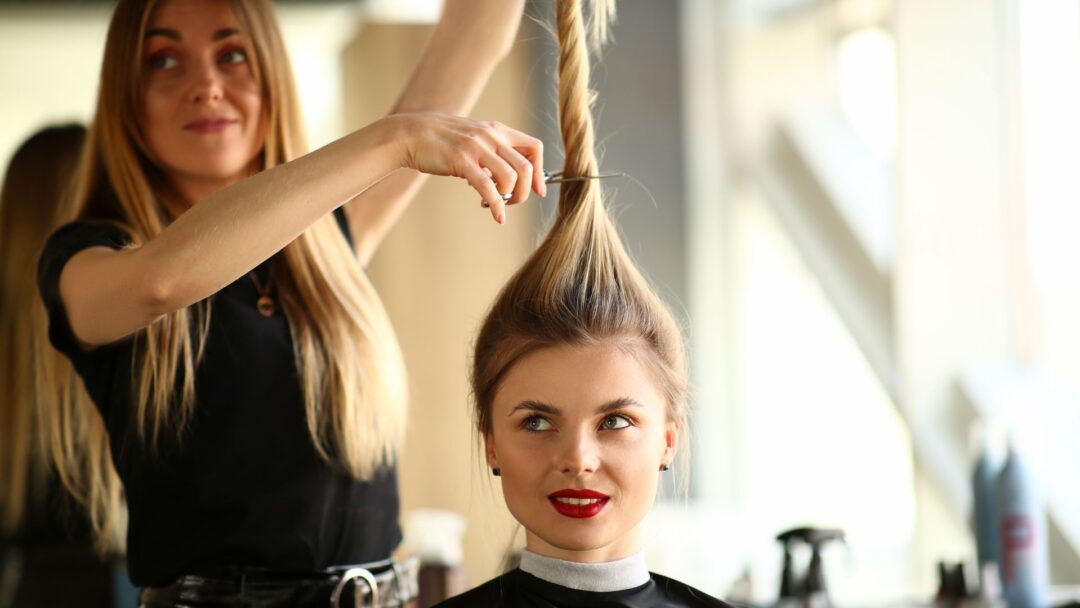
[[557, 178]]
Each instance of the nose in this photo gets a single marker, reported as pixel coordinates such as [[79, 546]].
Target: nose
[[206, 85], [579, 454]]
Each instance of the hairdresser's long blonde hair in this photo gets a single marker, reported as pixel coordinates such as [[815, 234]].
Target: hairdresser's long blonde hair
[[580, 286], [37, 384], [350, 366]]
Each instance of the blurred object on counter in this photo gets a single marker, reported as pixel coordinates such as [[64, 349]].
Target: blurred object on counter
[[990, 595], [988, 446], [810, 591], [741, 592], [953, 588], [952, 585], [1024, 553], [434, 536]]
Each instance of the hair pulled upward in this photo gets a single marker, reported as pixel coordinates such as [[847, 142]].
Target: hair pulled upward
[[580, 287]]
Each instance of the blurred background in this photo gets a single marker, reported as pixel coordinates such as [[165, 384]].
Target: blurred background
[[863, 212]]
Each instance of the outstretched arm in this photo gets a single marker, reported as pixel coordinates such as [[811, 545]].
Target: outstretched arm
[[109, 294], [471, 38]]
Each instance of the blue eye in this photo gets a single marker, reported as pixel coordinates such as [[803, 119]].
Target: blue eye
[[615, 422], [162, 61], [233, 57], [535, 424]]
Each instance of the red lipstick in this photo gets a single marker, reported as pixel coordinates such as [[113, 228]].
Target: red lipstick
[[578, 504], [210, 124]]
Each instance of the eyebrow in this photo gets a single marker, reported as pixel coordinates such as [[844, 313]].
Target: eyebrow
[[175, 35], [530, 405]]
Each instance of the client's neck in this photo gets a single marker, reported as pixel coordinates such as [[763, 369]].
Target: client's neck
[[625, 546]]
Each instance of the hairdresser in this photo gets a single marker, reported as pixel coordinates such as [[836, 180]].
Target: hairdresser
[[211, 293]]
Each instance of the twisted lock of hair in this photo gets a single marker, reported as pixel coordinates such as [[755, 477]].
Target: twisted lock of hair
[[580, 286]]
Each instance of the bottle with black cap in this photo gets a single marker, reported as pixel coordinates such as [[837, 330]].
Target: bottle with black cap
[[810, 591]]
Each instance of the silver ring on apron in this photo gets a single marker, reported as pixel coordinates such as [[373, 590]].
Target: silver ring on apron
[[354, 575]]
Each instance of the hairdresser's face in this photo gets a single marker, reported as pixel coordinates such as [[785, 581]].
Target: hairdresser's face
[[580, 434], [202, 117]]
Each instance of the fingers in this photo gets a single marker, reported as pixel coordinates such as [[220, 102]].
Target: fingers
[[505, 178], [523, 174], [480, 179], [500, 163], [532, 149]]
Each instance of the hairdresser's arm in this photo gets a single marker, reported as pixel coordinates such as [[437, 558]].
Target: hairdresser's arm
[[109, 294], [472, 37]]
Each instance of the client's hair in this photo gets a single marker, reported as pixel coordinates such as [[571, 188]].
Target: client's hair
[[580, 287]]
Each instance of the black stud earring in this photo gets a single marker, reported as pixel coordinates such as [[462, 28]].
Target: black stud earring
[[496, 471], [664, 467]]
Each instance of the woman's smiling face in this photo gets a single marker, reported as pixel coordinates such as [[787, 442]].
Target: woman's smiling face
[[202, 117], [580, 434]]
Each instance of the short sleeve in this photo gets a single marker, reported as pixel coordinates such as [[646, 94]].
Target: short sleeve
[[59, 248], [343, 223]]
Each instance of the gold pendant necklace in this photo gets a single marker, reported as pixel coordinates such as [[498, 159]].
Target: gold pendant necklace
[[265, 304]]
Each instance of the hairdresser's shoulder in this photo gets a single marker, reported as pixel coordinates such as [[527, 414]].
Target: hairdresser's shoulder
[[89, 233], [71, 238]]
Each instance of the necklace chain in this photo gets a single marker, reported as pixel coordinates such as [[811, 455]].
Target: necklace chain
[[265, 304]]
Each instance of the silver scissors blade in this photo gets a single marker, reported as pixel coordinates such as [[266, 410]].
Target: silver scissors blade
[[557, 177]]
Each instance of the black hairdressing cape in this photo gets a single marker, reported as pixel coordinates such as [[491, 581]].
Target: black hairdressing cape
[[517, 589]]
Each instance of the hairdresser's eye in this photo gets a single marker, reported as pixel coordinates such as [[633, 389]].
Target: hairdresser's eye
[[535, 424], [615, 422], [161, 61], [232, 57]]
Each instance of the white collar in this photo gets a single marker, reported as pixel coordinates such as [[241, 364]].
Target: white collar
[[625, 573]]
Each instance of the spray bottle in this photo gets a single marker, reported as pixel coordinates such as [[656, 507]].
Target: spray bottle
[[1022, 526]]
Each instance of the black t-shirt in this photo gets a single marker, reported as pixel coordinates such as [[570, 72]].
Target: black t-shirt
[[518, 589], [243, 485]]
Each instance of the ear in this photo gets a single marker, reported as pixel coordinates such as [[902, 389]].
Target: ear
[[489, 450], [671, 441]]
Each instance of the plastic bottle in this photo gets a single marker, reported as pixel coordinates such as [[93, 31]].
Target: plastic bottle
[[1022, 526], [987, 447]]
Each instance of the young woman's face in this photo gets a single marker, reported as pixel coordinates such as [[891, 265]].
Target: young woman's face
[[580, 434], [202, 116]]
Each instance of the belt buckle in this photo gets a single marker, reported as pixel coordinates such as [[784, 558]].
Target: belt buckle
[[354, 575]]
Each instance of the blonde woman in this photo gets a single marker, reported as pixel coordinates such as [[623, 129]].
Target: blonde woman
[[580, 387], [41, 530], [213, 299]]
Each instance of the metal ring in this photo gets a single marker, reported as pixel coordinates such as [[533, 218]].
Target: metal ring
[[353, 575]]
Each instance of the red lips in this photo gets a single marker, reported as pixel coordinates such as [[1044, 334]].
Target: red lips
[[578, 504], [209, 124]]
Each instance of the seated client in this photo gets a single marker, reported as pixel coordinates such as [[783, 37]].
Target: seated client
[[579, 378]]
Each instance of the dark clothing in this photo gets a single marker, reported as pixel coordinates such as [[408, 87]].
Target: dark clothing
[[339, 588], [242, 485], [54, 537], [518, 589]]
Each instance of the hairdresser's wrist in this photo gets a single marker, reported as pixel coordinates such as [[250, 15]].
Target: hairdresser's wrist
[[392, 135], [381, 145]]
